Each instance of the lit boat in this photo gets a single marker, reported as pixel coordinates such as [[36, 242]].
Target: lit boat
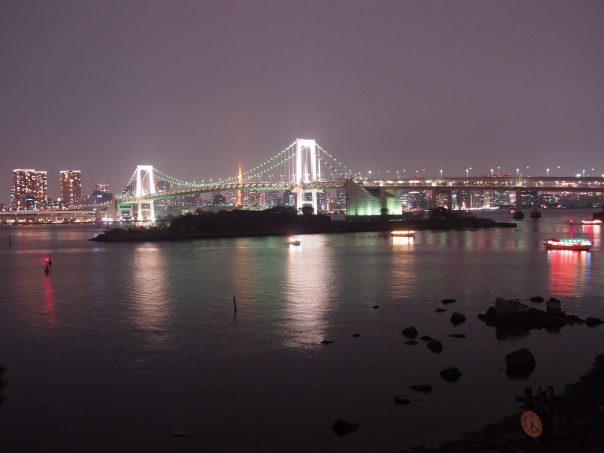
[[567, 244], [403, 233], [591, 222], [293, 242]]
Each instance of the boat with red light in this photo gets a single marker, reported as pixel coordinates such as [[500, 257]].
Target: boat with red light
[[581, 245]]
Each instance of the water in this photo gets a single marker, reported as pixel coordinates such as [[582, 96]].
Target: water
[[123, 345]]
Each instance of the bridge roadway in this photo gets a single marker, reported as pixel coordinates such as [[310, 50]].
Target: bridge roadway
[[48, 215], [503, 183]]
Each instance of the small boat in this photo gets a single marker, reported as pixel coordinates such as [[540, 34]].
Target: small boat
[[591, 222], [293, 242], [403, 233], [568, 244], [518, 215], [535, 214]]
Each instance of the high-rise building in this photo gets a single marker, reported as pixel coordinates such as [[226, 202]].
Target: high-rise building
[[102, 187], [30, 189], [71, 187]]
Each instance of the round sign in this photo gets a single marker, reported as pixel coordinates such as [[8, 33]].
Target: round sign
[[531, 424]]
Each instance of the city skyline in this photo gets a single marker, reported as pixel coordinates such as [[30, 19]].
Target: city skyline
[[194, 89]]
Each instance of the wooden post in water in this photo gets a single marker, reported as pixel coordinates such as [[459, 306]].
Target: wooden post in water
[[234, 303]]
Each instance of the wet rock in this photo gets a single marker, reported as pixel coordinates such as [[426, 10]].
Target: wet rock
[[592, 322], [537, 299], [553, 299], [553, 306], [422, 388], [440, 310], [410, 342], [520, 363], [356, 335], [509, 305], [457, 318], [448, 301], [425, 338], [376, 306], [342, 427], [327, 341], [513, 318], [401, 401], [435, 346], [458, 335], [409, 332], [451, 374]]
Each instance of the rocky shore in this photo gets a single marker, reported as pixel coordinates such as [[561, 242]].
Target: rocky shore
[[581, 424]]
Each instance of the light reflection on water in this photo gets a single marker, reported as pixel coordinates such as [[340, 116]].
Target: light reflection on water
[[151, 298], [308, 292], [569, 271], [149, 331]]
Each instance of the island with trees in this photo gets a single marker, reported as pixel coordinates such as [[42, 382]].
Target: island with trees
[[285, 221]]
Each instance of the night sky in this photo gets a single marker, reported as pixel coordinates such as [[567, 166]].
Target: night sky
[[193, 87]]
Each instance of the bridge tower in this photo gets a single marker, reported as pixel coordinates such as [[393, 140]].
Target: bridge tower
[[308, 169], [144, 185], [238, 203]]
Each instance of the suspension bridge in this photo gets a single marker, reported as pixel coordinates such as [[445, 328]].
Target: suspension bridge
[[305, 168]]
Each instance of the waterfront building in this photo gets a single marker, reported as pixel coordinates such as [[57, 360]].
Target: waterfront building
[[102, 187], [71, 187], [271, 199], [251, 199], [289, 198], [341, 198], [30, 189]]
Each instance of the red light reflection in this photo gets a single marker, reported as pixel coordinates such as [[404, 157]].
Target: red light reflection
[[567, 270], [49, 303]]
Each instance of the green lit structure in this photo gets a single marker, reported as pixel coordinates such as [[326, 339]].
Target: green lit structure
[[361, 201]]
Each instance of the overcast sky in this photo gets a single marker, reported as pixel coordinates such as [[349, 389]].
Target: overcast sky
[[193, 87]]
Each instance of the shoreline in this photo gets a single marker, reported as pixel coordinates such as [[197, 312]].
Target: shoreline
[[581, 409], [154, 234]]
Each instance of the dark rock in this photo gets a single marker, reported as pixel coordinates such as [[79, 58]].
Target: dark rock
[[553, 299], [592, 322], [400, 400], [440, 310], [509, 305], [376, 306], [410, 342], [425, 338], [553, 306], [342, 427], [327, 341], [458, 335], [356, 335], [448, 301], [538, 299], [409, 332], [435, 346], [450, 374], [422, 388], [180, 434], [520, 363], [457, 318], [512, 318]]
